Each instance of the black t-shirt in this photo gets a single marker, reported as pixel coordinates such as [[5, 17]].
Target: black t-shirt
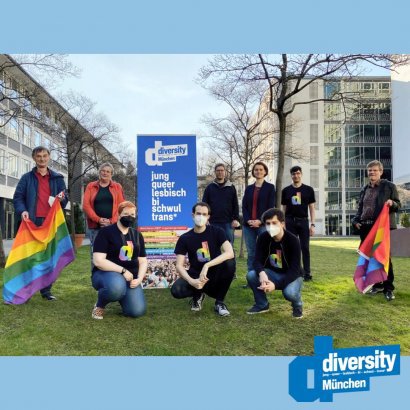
[[121, 249], [103, 202], [297, 200], [200, 247]]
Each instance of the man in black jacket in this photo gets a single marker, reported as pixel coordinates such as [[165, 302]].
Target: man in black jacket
[[277, 265], [221, 196], [372, 198]]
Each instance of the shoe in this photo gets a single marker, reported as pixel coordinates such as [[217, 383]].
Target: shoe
[[374, 291], [196, 304], [49, 296], [307, 277], [389, 295], [97, 313], [221, 309], [297, 313], [256, 309]]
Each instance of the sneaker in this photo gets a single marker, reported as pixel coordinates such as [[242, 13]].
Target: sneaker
[[307, 277], [389, 295], [374, 291], [297, 313], [256, 309], [49, 296], [221, 309], [196, 304], [98, 313]]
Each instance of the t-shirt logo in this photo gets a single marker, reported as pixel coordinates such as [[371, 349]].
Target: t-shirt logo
[[126, 251], [297, 199], [276, 259], [203, 254]]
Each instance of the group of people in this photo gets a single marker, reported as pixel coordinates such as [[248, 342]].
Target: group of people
[[276, 239]]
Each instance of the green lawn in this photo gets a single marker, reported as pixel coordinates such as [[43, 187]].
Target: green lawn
[[332, 306]]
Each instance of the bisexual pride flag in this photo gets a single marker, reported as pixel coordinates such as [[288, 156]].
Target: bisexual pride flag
[[38, 255], [373, 264]]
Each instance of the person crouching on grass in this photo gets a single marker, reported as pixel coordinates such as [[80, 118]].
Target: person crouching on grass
[[277, 265], [120, 265], [211, 271]]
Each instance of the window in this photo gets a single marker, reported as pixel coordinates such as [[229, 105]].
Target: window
[[46, 142], [2, 161], [355, 178], [334, 201], [14, 129], [26, 135], [314, 133], [384, 88], [332, 112], [13, 166], [37, 138], [314, 155], [332, 133], [367, 86], [333, 225], [331, 89], [334, 156], [352, 199], [314, 108], [313, 91], [334, 178], [25, 166], [314, 178]]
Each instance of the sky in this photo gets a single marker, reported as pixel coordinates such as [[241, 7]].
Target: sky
[[145, 93]]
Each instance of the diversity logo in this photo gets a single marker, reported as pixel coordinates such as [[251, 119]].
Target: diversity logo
[[126, 251], [164, 153], [297, 199], [276, 259], [203, 253], [332, 371]]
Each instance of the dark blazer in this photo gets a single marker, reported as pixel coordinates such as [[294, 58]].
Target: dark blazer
[[266, 200]]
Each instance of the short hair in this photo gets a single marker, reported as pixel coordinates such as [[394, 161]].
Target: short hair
[[201, 204], [125, 204], [38, 149], [270, 213], [375, 163], [106, 164], [296, 168], [219, 165], [264, 167]]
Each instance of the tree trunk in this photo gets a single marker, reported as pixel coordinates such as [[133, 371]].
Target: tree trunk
[[281, 158], [72, 223]]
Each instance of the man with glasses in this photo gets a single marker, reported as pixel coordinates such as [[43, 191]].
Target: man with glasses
[[297, 198]]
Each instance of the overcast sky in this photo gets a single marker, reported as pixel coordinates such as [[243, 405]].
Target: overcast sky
[[145, 94]]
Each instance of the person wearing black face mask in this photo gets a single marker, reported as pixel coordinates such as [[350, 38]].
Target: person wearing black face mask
[[120, 264]]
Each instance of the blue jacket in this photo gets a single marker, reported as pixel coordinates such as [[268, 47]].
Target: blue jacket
[[25, 196], [266, 200]]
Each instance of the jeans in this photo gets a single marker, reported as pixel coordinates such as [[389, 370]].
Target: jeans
[[112, 287], [227, 228], [300, 228], [387, 284], [220, 278], [92, 234], [38, 221], [292, 291], [251, 235]]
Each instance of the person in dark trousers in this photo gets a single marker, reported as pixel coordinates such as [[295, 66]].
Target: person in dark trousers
[[371, 200], [258, 197], [277, 265], [221, 196], [32, 195], [210, 270], [297, 198]]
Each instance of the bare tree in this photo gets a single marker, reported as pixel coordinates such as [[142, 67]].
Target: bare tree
[[287, 75]]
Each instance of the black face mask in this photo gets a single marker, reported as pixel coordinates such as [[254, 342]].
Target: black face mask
[[127, 221]]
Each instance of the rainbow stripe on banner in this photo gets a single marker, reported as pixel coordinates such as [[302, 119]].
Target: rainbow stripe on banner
[[374, 252], [38, 255]]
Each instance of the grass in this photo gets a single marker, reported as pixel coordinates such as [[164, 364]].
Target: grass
[[332, 306]]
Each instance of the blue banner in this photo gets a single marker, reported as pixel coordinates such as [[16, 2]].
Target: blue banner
[[166, 181]]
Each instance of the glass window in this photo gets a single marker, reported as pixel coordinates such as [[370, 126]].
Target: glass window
[[332, 111], [369, 154], [355, 178], [46, 142], [369, 133], [334, 200], [2, 161], [25, 166], [334, 178], [37, 138], [353, 133], [14, 129], [387, 174], [332, 133], [314, 109], [385, 132], [13, 166], [331, 88], [334, 156], [26, 135], [333, 224], [352, 199], [314, 133]]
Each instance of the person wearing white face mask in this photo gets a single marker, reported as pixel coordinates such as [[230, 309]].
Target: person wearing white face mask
[[210, 270], [277, 265]]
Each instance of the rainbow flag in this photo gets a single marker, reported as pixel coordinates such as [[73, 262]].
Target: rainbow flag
[[373, 264], [38, 255]]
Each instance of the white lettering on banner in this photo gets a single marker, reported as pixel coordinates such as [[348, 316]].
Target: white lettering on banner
[[334, 384], [168, 153], [162, 187]]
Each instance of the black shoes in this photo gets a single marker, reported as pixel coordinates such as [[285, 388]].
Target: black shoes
[[49, 296], [297, 313], [389, 295], [307, 277]]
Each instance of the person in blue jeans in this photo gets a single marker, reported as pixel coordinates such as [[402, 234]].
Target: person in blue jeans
[[277, 265], [120, 264]]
